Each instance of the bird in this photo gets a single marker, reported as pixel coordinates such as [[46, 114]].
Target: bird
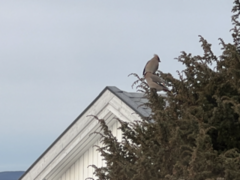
[[156, 82], [152, 65]]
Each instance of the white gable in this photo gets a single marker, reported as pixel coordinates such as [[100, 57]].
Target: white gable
[[68, 157]]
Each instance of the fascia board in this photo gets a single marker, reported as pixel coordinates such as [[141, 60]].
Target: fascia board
[[73, 152], [59, 146], [117, 108], [107, 101]]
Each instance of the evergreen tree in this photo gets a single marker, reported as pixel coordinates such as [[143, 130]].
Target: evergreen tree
[[192, 135]]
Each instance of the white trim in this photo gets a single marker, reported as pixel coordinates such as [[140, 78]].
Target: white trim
[[76, 141]]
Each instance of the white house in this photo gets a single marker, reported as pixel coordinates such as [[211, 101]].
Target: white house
[[70, 154]]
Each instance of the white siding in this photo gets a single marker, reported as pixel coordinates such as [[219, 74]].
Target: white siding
[[65, 158], [80, 170]]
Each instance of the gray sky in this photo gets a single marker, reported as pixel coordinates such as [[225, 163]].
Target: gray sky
[[56, 56]]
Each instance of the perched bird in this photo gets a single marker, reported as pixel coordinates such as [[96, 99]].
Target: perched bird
[[152, 65], [155, 82]]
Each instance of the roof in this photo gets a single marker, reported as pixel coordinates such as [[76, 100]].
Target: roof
[[132, 100]]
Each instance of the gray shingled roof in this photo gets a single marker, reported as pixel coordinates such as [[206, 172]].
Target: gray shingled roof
[[132, 99]]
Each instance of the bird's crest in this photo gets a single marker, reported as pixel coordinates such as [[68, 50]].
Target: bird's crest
[[155, 55]]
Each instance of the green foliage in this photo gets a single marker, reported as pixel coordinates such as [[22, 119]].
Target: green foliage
[[196, 134]]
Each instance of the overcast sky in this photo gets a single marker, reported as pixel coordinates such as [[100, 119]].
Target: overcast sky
[[56, 56]]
